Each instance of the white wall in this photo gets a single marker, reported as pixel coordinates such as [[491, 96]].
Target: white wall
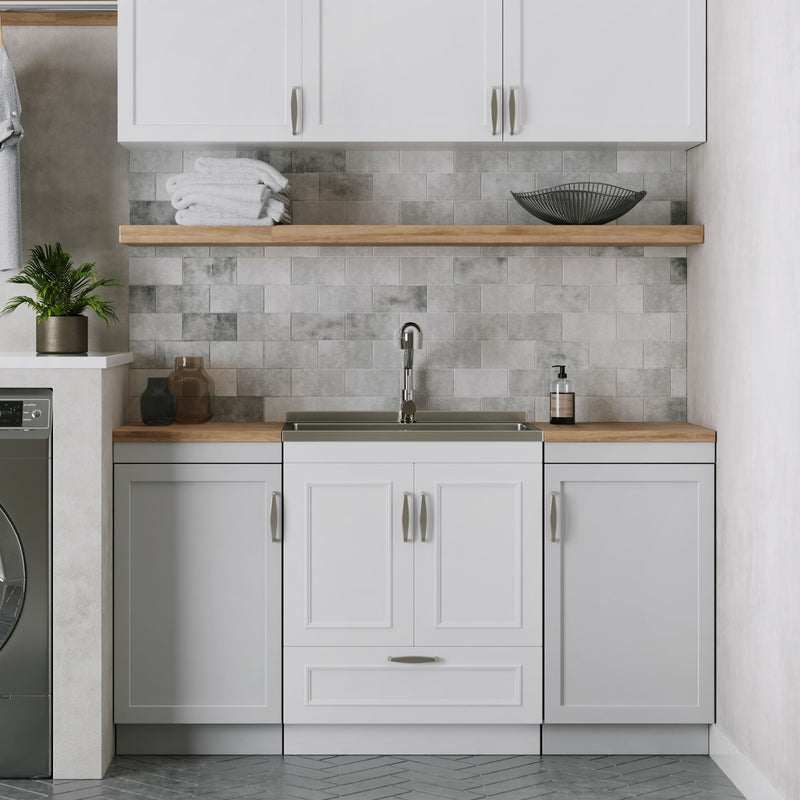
[[744, 369], [74, 175]]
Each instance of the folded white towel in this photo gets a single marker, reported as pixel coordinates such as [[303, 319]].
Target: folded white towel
[[211, 179], [203, 215], [246, 166], [243, 201], [275, 209]]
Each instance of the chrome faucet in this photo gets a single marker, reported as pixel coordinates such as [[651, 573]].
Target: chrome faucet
[[410, 340]]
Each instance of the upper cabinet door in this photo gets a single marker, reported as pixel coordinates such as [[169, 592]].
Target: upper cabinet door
[[195, 71], [417, 70], [606, 70]]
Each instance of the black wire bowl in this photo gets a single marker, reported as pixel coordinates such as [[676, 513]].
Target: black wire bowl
[[579, 203]]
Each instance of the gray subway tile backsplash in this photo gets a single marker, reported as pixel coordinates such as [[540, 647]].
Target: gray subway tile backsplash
[[294, 328]]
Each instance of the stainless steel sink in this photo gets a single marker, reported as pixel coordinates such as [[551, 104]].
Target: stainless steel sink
[[379, 426]]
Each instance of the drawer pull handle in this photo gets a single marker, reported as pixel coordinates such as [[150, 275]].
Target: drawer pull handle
[[413, 659], [423, 517], [405, 516], [274, 517], [295, 109], [553, 517], [512, 108], [494, 109]]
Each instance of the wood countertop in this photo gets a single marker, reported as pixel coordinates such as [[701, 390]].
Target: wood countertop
[[271, 432], [626, 432]]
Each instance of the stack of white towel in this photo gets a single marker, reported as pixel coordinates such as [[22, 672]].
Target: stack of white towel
[[230, 191]]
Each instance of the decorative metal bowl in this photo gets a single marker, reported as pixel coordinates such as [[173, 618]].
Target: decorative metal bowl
[[579, 203]]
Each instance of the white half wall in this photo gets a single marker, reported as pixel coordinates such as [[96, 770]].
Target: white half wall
[[744, 369]]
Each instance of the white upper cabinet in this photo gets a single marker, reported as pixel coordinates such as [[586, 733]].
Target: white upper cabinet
[[605, 71], [194, 71], [417, 70], [476, 71]]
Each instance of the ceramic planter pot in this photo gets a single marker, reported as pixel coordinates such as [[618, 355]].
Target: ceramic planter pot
[[62, 335]]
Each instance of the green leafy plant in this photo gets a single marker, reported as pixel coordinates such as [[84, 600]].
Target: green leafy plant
[[62, 290]]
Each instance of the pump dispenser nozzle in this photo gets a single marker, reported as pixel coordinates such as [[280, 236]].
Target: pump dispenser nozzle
[[562, 370]]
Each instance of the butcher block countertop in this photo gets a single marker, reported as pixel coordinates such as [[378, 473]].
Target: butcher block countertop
[[271, 432]]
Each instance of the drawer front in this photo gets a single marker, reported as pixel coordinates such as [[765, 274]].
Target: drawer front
[[498, 685]]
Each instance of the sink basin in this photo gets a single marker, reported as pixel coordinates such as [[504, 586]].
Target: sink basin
[[430, 426]]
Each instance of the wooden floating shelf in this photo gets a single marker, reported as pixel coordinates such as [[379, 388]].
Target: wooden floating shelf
[[482, 235]]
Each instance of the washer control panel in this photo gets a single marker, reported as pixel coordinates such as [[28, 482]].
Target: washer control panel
[[24, 413]]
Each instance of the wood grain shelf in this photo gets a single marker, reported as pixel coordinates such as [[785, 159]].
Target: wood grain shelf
[[482, 235]]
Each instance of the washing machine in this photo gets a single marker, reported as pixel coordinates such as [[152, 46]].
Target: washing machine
[[25, 580]]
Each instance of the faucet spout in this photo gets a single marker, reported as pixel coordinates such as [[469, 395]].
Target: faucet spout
[[410, 340]]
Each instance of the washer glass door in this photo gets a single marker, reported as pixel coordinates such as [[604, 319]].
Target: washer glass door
[[12, 577]]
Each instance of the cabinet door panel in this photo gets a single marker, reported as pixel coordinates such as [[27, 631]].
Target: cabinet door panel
[[477, 574], [420, 70], [629, 594], [190, 73], [351, 569], [197, 594], [609, 70]]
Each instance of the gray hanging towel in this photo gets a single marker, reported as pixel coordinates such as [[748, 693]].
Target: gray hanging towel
[[10, 134]]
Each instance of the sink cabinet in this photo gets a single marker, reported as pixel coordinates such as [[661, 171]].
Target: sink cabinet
[[197, 598], [429, 551], [629, 587]]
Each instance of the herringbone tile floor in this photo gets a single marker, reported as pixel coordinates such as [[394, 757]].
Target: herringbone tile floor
[[379, 777]]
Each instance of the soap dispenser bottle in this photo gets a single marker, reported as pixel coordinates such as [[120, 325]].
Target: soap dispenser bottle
[[562, 398]]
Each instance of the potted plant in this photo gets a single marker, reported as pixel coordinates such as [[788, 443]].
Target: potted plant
[[62, 292]]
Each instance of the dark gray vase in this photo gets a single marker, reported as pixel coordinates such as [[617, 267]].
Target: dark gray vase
[[62, 335], [158, 403]]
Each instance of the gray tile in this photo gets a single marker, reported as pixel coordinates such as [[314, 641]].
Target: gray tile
[[456, 186], [271, 270], [154, 326], [142, 186], [480, 327], [480, 269], [151, 212], [480, 212], [297, 297], [534, 327], [372, 382], [142, 299], [562, 298], [454, 298], [538, 270], [280, 159], [318, 326], [345, 298], [453, 355], [626, 180], [234, 409], [665, 355], [426, 270], [575, 355], [291, 354], [373, 161], [156, 161], [318, 382], [319, 212], [182, 299], [535, 161], [372, 212], [167, 352], [665, 185], [590, 160], [643, 270], [434, 383], [263, 382], [209, 270], [372, 269], [499, 185], [321, 270], [400, 298], [426, 161], [677, 270], [419, 212], [588, 327], [529, 382], [649, 212], [480, 382], [643, 161], [236, 355], [665, 298], [678, 160], [546, 181], [143, 354], [678, 212], [481, 160], [372, 326], [643, 382], [665, 409], [211, 327], [617, 298], [318, 161], [155, 271], [507, 355], [620, 355], [305, 185], [590, 271], [399, 186], [647, 327], [345, 186], [345, 355], [496, 297], [678, 327], [614, 409], [259, 327]]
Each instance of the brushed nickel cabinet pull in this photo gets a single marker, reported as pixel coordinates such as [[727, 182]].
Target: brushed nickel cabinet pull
[[512, 109], [553, 517], [423, 517], [274, 517], [405, 516], [295, 109], [413, 659], [495, 109]]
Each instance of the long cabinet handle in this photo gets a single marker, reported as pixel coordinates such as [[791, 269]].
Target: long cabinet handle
[[495, 108], [274, 517], [553, 517], [423, 517], [294, 106], [512, 109], [405, 516], [413, 659]]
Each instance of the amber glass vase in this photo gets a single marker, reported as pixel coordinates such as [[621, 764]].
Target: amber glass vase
[[194, 390]]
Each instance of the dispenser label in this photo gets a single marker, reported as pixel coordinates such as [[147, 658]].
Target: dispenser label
[[562, 405]]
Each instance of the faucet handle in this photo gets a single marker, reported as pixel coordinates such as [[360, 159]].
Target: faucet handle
[[411, 336], [408, 410]]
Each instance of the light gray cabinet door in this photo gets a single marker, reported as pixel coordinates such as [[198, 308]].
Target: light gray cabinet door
[[629, 593], [197, 593]]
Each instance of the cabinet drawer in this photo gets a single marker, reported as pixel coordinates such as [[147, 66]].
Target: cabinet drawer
[[360, 685]]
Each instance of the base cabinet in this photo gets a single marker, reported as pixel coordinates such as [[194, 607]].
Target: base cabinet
[[629, 593], [197, 594]]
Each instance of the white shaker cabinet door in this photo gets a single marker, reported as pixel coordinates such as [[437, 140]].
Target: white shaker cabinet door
[[197, 594], [417, 70], [348, 538], [478, 555], [195, 71], [629, 593], [605, 70]]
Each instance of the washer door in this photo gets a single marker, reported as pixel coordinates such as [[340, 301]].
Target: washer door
[[12, 577]]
